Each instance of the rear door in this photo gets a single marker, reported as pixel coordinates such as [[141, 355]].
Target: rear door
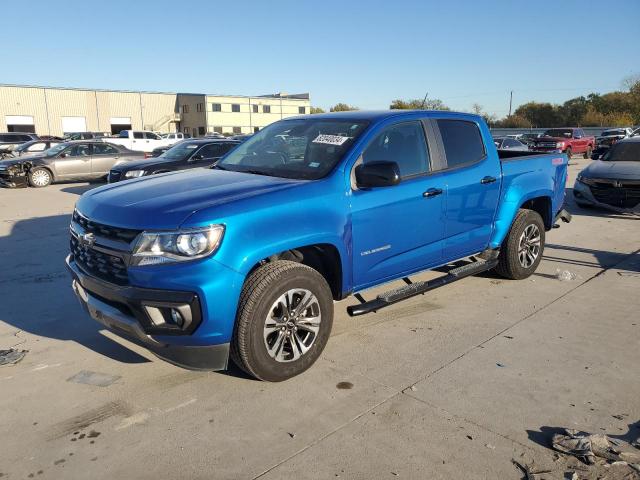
[[103, 158], [472, 177], [74, 161], [397, 230]]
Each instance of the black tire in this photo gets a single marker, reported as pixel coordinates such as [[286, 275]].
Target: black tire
[[39, 177], [509, 263], [588, 152], [568, 152], [261, 290]]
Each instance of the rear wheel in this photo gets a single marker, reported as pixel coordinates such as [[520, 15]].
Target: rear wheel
[[40, 177], [588, 151], [285, 315], [522, 250], [568, 152]]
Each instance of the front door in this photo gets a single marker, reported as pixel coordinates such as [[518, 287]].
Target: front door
[[74, 161], [397, 230], [473, 188]]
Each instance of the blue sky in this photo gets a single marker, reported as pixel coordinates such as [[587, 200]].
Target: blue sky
[[365, 53]]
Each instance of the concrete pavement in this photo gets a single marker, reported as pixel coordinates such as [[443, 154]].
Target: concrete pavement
[[453, 384]]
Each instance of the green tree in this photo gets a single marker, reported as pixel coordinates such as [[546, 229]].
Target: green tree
[[316, 110], [417, 104], [479, 110], [342, 107]]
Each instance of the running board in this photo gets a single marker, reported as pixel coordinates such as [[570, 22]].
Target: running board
[[418, 288]]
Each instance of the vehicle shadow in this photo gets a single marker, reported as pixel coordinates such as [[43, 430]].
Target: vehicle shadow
[[80, 189], [36, 289], [544, 436]]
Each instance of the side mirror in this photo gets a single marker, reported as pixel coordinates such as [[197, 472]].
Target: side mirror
[[577, 136], [377, 174]]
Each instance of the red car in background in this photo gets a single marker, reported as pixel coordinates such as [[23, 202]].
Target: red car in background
[[565, 140]]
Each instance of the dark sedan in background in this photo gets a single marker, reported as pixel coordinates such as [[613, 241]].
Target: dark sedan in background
[[613, 179], [182, 156], [78, 160]]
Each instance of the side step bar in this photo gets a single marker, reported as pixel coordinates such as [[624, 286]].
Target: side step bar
[[417, 288]]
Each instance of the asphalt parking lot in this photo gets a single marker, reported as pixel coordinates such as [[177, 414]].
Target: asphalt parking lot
[[453, 384]]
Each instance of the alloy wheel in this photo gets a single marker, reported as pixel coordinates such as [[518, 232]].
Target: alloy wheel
[[40, 178], [529, 246], [292, 325]]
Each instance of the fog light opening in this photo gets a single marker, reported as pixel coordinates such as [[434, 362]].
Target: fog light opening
[[177, 317], [170, 317]]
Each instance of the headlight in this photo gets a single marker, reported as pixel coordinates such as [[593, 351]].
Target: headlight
[[134, 173], [153, 248], [560, 145]]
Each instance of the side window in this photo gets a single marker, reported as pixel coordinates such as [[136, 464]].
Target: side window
[[81, 150], [37, 147], [511, 143], [403, 143], [137, 135], [462, 142], [213, 150], [104, 149], [151, 136]]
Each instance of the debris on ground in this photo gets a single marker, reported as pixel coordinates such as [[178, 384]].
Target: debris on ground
[[11, 356], [529, 473], [565, 275]]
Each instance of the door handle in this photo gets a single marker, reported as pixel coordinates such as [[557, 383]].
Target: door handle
[[486, 180], [432, 192]]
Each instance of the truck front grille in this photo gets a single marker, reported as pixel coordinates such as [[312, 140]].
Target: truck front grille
[[109, 267], [617, 193], [107, 231], [545, 145]]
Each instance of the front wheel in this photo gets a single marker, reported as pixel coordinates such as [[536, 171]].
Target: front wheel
[[284, 319], [568, 152], [39, 177], [522, 250], [587, 153]]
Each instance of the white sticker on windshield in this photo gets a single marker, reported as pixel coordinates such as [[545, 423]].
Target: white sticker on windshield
[[191, 147], [314, 164], [331, 139]]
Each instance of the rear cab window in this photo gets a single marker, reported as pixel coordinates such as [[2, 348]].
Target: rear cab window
[[462, 142]]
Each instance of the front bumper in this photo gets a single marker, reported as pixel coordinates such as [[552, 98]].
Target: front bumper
[[119, 309], [13, 181]]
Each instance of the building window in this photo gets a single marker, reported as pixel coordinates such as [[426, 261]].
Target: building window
[[235, 107], [237, 130], [186, 130], [199, 107], [200, 130], [255, 108], [217, 129], [256, 129], [216, 107], [185, 108], [301, 110], [266, 108]]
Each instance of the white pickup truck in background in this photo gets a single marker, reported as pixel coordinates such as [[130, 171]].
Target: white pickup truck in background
[[141, 141]]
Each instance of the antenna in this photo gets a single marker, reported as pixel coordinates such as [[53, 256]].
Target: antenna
[[424, 101]]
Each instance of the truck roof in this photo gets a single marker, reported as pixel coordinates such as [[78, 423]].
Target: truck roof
[[376, 115]]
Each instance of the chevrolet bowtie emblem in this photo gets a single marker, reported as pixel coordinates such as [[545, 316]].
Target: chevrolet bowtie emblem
[[87, 240]]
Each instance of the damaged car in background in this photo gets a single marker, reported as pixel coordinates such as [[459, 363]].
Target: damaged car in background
[[78, 160], [609, 137], [613, 180]]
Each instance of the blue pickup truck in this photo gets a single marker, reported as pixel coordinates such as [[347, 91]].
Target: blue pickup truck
[[244, 260]]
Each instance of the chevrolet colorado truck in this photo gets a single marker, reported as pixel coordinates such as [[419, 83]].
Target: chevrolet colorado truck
[[566, 140], [245, 260]]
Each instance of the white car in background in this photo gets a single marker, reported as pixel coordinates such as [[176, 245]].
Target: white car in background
[[142, 141]]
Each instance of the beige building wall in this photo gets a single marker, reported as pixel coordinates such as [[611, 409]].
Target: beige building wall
[[161, 112], [48, 107], [248, 119]]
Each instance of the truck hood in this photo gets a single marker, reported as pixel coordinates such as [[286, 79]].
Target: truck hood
[[613, 170], [166, 200], [551, 139]]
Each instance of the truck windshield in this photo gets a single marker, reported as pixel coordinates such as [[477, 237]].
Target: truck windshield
[[623, 152], [305, 149], [559, 132]]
